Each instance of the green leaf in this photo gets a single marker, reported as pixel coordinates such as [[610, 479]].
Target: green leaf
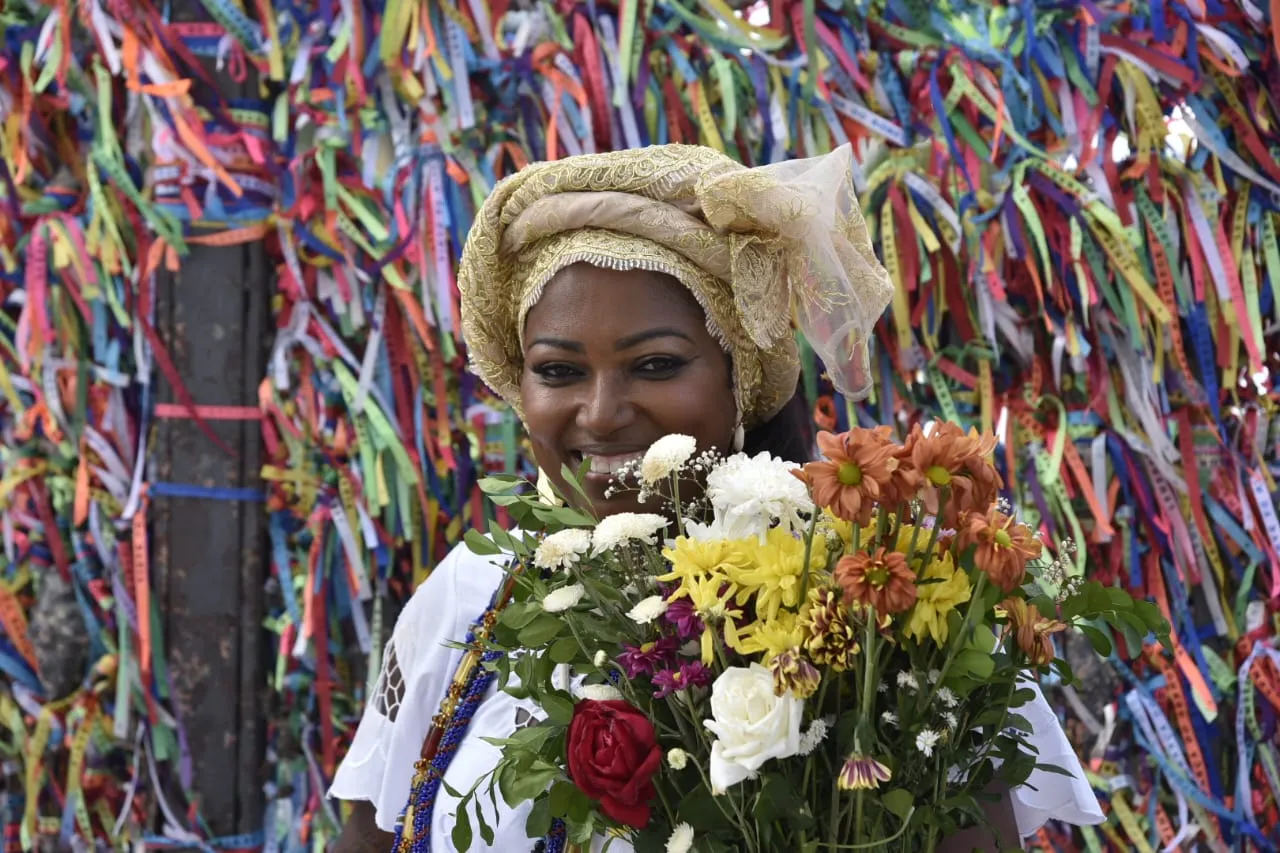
[[480, 544], [462, 831], [898, 802], [582, 833], [1118, 599], [486, 831], [498, 484], [519, 614], [561, 798], [575, 481], [563, 650], [702, 812], [777, 799], [539, 822], [972, 663], [1055, 769], [541, 631], [559, 708], [529, 785], [1101, 642]]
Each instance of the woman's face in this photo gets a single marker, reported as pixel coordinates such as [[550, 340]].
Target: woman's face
[[613, 361]]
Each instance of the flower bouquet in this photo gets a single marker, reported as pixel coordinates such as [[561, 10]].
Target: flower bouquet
[[819, 657]]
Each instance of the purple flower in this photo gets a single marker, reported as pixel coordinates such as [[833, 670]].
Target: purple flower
[[669, 681], [682, 615], [642, 660]]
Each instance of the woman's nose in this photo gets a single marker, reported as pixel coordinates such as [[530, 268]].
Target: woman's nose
[[607, 407]]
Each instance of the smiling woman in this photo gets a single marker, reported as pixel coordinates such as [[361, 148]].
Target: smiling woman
[[613, 300], [613, 361]]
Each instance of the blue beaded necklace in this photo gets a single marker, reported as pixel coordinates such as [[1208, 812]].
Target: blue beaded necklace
[[467, 689]]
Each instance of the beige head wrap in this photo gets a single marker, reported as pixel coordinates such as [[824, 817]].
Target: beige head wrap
[[750, 244]]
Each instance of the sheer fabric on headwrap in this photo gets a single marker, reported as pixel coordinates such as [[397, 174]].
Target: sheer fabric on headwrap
[[801, 219]]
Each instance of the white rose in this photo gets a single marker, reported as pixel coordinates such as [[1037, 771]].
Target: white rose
[[667, 456], [751, 724]]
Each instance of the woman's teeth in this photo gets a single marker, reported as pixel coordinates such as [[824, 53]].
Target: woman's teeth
[[611, 464]]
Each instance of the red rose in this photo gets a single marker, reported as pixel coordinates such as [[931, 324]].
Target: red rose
[[613, 755]]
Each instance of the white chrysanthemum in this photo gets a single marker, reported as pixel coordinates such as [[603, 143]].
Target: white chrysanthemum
[[599, 692], [560, 600], [614, 531], [926, 741], [667, 456], [561, 550], [952, 721], [907, 681], [889, 718], [749, 494], [815, 735], [678, 759], [600, 659], [947, 698], [681, 840], [647, 610]]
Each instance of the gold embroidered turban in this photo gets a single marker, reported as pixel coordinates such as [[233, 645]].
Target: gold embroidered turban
[[756, 247]]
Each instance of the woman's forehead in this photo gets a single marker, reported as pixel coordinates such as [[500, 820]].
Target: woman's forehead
[[584, 299]]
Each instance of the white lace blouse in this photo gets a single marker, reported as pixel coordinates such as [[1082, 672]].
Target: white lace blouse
[[419, 666]]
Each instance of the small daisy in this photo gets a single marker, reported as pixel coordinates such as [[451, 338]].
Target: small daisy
[[666, 457], [648, 610], [560, 600], [947, 698], [681, 840], [563, 549], [889, 718], [951, 720], [907, 681], [926, 741], [600, 692], [934, 675]]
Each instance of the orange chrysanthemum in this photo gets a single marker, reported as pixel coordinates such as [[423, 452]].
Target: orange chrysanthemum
[[882, 580], [948, 458], [853, 478], [1003, 546], [1032, 631]]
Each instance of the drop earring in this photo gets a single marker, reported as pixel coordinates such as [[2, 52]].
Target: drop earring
[[739, 438]]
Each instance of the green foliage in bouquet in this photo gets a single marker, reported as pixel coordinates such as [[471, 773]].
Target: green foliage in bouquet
[[830, 657]]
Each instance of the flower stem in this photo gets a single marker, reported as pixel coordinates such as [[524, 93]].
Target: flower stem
[[868, 697], [974, 603], [808, 551]]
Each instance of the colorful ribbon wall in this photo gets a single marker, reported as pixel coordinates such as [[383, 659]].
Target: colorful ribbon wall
[[1078, 202]]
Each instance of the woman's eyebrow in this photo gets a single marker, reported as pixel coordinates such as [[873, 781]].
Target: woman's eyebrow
[[652, 334], [558, 343]]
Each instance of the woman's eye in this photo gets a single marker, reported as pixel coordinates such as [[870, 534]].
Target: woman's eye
[[555, 372], [660, 366]]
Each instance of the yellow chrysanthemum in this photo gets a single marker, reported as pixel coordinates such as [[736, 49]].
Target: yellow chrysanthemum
[[701, 558], [929, 617], [771, 637], [712, 598], [775, 574]]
